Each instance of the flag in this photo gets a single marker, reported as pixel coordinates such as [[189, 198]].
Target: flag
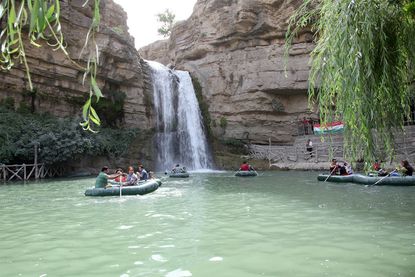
[[331, 127]]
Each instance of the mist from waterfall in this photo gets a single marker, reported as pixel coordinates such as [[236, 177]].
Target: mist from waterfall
[[180, 137]]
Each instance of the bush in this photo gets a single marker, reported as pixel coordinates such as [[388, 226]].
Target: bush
[[235, 146], [223, 122], [60, 140]]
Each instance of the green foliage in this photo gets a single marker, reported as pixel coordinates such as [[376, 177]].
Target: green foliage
[[167, 18], [23, 108], [110, 108], [362, 66], [203, 106], [223, 122], [235, 146], [41, 20], [8, 103], [60, 140]]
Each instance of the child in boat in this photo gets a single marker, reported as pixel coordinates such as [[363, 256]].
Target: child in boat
[[122, 177], [131, 177]]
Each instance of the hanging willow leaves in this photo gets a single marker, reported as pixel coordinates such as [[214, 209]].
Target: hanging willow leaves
[[42, 20], [361, 68], [91, 70]]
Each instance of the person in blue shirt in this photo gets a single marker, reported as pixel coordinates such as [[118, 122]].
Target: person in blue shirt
[[143, 173]]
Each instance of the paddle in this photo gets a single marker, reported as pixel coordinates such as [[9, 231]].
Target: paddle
[[380, 180], [334, 169], [120, 185]]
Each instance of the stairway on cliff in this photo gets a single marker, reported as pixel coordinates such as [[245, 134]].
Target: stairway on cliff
[[326, 147]]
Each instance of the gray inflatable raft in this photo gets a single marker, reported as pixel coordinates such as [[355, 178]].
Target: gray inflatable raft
[[142, 188], [251, 173], [368, 180], [179, 175]]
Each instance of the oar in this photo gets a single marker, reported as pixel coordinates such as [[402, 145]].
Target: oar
[[331, 173], [377, 182], [120, 185]]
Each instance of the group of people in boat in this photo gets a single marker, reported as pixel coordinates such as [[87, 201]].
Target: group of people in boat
[[127, 179], [178, 169], [405, 169], [340, 169]]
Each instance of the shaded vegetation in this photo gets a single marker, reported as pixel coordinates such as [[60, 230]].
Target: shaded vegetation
[[110, 109], [234, 146], [203, 106], [60, 140]]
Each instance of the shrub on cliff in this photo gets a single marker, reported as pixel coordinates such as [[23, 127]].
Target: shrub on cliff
[[60, 140]]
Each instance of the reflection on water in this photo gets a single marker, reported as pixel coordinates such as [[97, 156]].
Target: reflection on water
[[212, 224]]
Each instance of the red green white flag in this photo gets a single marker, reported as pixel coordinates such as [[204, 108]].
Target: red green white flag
[[328, 128]]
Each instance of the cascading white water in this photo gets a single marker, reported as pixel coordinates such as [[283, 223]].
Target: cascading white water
[[180, 138]]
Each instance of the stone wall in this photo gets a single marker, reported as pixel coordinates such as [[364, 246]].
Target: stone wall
[[235, 49], [58, 82]]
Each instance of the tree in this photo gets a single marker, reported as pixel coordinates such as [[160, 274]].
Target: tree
[[41, 19], [167, 18], [362, 67]]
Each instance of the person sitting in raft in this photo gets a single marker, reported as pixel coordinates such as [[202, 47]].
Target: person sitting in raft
[[177, 169], [122, 177], [334, 167], [376, 166], [246, 167], [151, 175], [348, 167], [132, 179], [407, 169], [343, 169], [143, 173], [102, 178]]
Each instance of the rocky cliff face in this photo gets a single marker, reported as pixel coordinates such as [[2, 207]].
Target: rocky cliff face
[[58, 83], [235, 49]]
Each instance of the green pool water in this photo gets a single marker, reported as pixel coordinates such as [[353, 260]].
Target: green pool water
[[212, 224]]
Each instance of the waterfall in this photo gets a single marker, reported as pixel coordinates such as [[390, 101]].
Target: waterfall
[[180, 137]]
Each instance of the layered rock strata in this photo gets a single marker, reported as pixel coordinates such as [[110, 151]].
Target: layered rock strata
[[58, 83], [235, 49]]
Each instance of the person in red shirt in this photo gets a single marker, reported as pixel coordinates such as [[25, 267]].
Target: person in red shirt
[[376, 166], [245, 166], [121, 177]]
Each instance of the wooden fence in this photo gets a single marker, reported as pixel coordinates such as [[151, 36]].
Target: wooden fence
[[25, 172]]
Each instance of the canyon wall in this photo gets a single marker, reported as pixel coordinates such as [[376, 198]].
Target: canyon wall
[[235, 49], [58, 83]]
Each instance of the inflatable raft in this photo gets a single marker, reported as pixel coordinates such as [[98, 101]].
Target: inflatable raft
[[369, 180], [179, 175], [251, 173], [336, 178], [142, 188]]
